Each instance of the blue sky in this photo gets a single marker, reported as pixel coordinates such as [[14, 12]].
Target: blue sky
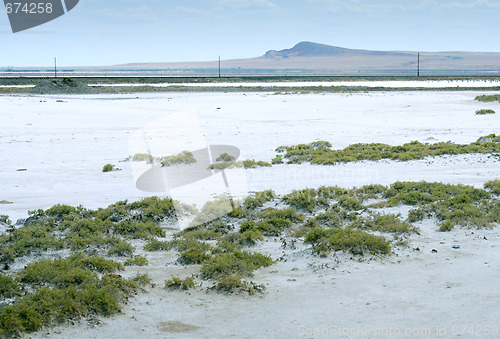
[[108, 32]]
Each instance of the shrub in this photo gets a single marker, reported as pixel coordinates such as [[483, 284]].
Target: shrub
[[485, 111], [183, 158], [415, 215], [155, 245], [142, 279], [233, 263], [108, 168], [121, 248], [9, 287], [302, 200], [446, 226], [389, 223], [178, 283], [248, 237], [493, 186], [347, 240], [224, 157], [235, 284], [142, 157], [488, 98], [258, 199], [192, 251], [136, 261]]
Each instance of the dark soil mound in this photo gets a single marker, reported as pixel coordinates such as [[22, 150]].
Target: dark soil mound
[[62, 86]]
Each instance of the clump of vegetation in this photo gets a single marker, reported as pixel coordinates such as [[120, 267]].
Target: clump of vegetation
[[176, 283], [213, 210], [350, 240], [143, 157], [389, 223], [108, 168], [183, 158], [276, 161], [493, 186], [136, 261], [488, 98], [155, 245], [255, 164], [258, 199], [303, 200], [453, 204], [9, 287], [63, 289], [484, 111], [321, 152], [224, 157]]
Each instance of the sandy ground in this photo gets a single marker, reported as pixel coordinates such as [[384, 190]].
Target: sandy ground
[[62, 142]]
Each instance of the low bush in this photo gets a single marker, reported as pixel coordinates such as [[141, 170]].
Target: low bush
[[484, 111], [136, 261], [493, 186], [178, 283], [302, 200], [183, 158], [108, 168], [155, 245], [346, 239], [488, 98], [258, 199]]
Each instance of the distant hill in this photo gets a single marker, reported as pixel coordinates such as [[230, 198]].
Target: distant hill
[[314, 58], [312, 49]]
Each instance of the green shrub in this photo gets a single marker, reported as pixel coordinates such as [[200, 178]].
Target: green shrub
[[347, 240], [415, 215], [484, 111], [446, 226], [142, 279], [389, 223], [236, 284], [183, 158], [192, 251], [108, 168], [248, 237], [287, 214], [121, 248], [302, 200], [350, 203], [178, 283], [237, 263], [136, 261], [224, 157], [142, 157], [493, 186], [155, 245], [488, 98], [9, 287], [258, 199]]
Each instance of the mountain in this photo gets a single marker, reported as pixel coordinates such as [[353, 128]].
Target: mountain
[[312, 49]]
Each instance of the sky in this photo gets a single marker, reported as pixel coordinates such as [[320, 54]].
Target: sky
[[110, 32]]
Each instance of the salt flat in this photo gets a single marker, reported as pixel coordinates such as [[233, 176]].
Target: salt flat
[[62, 142]]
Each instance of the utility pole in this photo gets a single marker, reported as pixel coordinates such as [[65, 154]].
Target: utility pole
[[55, 67], [219, 66], [418, 65]]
